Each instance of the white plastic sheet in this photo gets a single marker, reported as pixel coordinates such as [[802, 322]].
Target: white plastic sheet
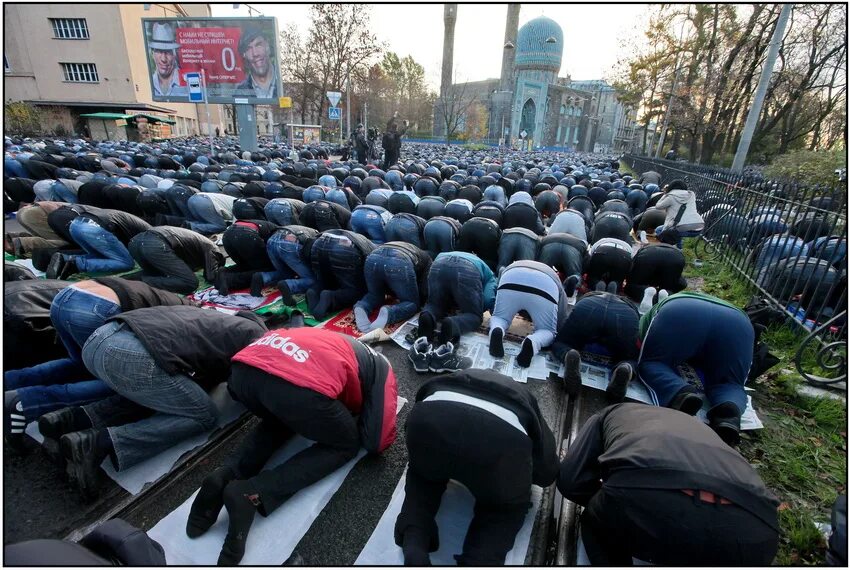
[[453, 520], [272, 539]]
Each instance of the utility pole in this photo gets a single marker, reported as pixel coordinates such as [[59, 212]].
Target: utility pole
[[761, 90], [348, 102]]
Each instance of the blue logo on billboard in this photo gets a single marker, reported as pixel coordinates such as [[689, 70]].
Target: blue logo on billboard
[[333, 113]]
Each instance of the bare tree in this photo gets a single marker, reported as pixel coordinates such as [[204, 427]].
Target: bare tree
[[452, 107]]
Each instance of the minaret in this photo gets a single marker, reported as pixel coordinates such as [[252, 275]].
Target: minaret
[[449, 17], [509, 49]]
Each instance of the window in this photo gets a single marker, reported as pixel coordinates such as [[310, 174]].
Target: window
[[70, 28], [80, 72]]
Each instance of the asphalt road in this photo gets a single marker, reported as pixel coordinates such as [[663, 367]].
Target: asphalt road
[[40, 504]]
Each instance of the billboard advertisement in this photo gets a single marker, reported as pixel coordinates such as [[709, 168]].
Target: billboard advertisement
[[237, 56]]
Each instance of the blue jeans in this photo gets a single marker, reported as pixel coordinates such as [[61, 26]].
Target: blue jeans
[[281, 212], [183, 409], [313, 193], [402, 227], [495, 193], [14, 168], [338, 267], [178, 199], [693, 233], [63, 193], [286, 257], [440, 236], [104, 252], [65, 382], [205, 219], [371, 222], [455, 283], [390, 271], [714, 338]]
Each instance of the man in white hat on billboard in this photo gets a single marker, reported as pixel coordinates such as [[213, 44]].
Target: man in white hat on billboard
[[166, 77]]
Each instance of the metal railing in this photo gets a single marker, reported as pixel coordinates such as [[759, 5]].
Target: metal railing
[[787, 240]]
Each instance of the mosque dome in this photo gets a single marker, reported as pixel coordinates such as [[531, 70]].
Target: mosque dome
[[540, 45]]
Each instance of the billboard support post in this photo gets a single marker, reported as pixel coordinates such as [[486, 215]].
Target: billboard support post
[[207, 109], [247, 128]]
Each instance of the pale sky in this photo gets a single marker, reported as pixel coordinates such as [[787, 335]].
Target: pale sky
[[594, 34]]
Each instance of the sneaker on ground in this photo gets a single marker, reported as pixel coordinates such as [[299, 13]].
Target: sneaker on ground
[[420, 354], [446, 359]]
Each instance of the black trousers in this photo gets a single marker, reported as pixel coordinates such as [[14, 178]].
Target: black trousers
[[670, 528], [606, 319], [161, 266], [390, 158], [450, 440], [285, 410], [481, 236], [608, 264], [247, 249]]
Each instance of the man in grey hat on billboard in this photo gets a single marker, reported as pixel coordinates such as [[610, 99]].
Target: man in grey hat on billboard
[[256, 52], [166, 77]]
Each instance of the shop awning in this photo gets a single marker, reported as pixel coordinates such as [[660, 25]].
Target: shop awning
[[117, 116], [112, 116], [154, 118]]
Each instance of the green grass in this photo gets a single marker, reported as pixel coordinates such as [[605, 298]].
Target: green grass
[[801, 454]]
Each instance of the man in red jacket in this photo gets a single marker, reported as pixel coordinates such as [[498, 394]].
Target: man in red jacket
[[325, 386]]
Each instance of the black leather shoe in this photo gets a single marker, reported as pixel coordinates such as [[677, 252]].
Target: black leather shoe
[[725, 420], [54, 425], [686, 401], [84, 458]]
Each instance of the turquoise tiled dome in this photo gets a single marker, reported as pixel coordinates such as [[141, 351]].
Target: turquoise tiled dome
[[532, 51]]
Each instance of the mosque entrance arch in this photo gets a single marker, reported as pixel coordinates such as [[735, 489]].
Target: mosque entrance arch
[[527, 119]]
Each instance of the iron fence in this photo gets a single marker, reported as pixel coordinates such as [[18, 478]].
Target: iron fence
[[787, 240]]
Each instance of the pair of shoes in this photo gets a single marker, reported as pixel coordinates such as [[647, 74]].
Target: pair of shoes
[[725, 420], [687, 401], [53, 425], [572, 372], [442, 359], [257, 285], [619, 383], [526, 353], [61, 267], [84, 455]]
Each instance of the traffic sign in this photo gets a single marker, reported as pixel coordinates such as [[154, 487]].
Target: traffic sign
[[196, 93], [334, 97], [333, 113], [285, 102], [523, 133]]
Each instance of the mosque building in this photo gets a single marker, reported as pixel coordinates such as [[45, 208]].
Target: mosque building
[[530, 105]]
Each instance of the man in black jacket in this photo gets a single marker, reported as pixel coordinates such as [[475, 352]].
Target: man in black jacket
[[391, 142], [659, 486], [157, 359], [486, 431], [169, 257]]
